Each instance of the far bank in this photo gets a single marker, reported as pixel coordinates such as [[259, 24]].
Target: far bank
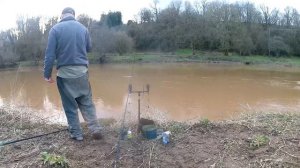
[[201, 57], [184, 55]]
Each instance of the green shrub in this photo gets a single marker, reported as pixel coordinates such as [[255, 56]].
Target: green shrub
[[53, 160], [258, 141]]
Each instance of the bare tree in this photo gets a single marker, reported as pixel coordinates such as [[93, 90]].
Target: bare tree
[[7, 48], [30, 39], [287, 19], [155, 9], [295, 18], [266, 14], [146, 15], [85, 20]]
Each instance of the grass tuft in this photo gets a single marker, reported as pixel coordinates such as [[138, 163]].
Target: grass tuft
[[54, 160], [259, 141], [205, 123]]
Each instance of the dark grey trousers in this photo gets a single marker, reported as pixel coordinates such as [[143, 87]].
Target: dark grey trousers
[[76, 93]]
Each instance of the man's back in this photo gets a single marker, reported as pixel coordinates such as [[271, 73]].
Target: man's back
[[72, 42], [69, 43]]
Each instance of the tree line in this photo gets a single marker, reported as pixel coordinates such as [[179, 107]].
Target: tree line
[[204, 25]]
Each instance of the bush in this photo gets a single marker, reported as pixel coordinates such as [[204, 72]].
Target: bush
[[123, 43]]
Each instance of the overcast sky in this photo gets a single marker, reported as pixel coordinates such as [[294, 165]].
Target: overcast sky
[[11, 9]]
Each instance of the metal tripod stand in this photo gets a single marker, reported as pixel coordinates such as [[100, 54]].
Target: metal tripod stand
[[139, 101]]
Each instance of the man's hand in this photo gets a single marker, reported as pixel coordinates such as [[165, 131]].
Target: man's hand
[[49, 80]]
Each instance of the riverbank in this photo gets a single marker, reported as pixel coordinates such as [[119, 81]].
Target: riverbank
[[179, 56], [257, 140], [200, 57]]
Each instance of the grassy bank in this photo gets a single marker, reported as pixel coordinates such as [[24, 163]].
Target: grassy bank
[[201, 57], [184, 55], [256, 140]]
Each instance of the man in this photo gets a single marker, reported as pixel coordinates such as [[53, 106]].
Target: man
[[68, 44]]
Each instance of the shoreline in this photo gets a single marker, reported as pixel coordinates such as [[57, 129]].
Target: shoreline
[[179, 57], [270, 139]]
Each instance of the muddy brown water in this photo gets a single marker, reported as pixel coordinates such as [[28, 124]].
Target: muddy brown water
[[181, 91]]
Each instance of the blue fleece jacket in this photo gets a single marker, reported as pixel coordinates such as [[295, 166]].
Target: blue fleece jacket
[[68, 43]]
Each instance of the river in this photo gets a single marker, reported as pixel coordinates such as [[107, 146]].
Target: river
[[178, 91]]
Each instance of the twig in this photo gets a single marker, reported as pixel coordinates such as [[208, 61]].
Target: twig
[[151, 151], [129, 155], [108, 154], [297, 157], [31, 154], [143, 157], [292, 163], [16, 165], [278, 150], [142, 163], [188, 129], [246, 126]]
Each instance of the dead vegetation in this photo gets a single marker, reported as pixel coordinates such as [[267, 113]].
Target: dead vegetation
[[254, 140]]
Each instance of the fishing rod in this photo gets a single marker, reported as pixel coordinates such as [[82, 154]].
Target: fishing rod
[[33, 137]]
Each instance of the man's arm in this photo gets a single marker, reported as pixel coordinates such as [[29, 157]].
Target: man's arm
[[50, 56]]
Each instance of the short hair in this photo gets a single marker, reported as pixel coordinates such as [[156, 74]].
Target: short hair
[[68, 10]]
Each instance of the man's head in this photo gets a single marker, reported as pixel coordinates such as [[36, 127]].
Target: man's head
[[68, 10]]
